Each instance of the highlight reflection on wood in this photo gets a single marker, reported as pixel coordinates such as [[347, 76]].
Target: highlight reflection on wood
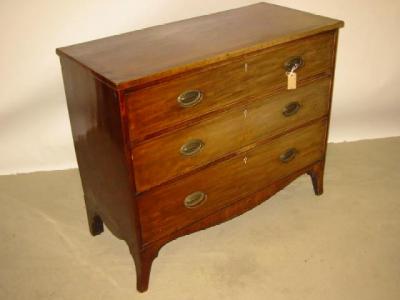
[[186, 125]]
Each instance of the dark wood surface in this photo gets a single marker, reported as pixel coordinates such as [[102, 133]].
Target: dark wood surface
[[145, 55], [236, 208], [102, 151], [155, 109], [127, 128], [100, 148], [237, 177], [228, 132]]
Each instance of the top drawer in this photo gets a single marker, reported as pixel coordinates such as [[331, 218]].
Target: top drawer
[[156, 108]]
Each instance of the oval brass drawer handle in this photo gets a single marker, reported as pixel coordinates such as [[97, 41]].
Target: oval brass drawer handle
[[195, 199], [291, 109], [192, 147], [288, 155], [190, 98], [294, 63]]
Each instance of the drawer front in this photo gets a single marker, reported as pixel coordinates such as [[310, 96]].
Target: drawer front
[[284, 111], [161, 106], [174, 206], [267, 69], [166, 157], [161, 159], [164, 105]]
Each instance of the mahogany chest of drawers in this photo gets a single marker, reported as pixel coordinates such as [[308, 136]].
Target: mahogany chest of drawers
[[183, 126]]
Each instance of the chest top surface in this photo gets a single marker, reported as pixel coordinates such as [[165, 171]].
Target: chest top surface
[[141, 56]]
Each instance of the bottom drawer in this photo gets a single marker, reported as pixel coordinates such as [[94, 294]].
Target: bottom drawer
[[176, 205]]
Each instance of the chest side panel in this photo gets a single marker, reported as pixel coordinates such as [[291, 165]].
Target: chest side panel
[[100, 148]]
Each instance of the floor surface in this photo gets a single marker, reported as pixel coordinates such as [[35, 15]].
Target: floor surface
[[342, 245]]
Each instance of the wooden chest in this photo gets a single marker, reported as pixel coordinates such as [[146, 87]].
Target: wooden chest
[[183, 126]]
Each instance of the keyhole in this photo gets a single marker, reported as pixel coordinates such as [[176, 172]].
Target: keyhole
[[245, 160], [245, 113], [245, 67]]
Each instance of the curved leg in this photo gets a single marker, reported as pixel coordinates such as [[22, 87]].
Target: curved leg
[[143, 261], [317, 177]]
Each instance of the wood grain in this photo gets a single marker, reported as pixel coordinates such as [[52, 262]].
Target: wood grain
[[102, 150], [265, 67], [162, 210], [265, 117], [127, 127], [159, 160], [155, 108], [149, 54], [97, 131]]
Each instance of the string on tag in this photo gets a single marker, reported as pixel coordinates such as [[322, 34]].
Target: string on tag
[[294, 68]]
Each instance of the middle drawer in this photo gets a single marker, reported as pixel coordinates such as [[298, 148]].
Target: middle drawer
[[179, 152], [170, 207]]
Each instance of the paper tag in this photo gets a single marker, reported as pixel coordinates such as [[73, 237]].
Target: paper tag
[[292, 80]]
